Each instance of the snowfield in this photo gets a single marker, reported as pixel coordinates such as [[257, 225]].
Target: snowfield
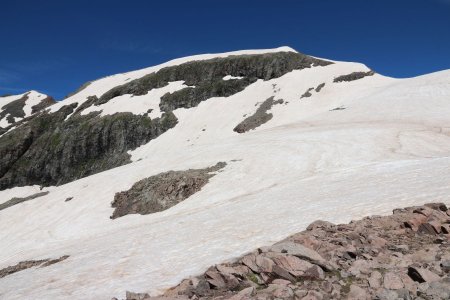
[[352, 149]]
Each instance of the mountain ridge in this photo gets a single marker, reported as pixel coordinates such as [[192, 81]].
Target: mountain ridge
[[321, 150]]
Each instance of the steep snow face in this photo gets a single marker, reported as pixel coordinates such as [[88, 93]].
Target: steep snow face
[[15, 108], [347, 150]]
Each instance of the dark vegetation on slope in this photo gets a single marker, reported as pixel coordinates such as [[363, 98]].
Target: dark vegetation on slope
[[259, 117], [46, 149], [46, 102], [162, 191], [17, 200], [50, 151], [14, 109], [353, 76], [206, 77]]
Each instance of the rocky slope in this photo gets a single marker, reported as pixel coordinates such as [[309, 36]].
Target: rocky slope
[[402, 256]]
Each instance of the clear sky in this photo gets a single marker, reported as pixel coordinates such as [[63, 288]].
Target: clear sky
[[55, 46]]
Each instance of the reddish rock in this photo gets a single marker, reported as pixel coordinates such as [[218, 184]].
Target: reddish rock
[[265, 264], [392, 281], [357, 293], [215, 279]]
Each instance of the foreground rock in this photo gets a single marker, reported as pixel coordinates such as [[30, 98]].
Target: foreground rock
[[402, 256]]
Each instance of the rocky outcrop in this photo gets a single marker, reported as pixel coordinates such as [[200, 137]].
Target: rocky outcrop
[[206, 77], [17, 200], [23, 265], [14, 109], [307, 94], [46, 102], [402, 256], [47, 150], [260, 117], [162, 191], [353, 76]]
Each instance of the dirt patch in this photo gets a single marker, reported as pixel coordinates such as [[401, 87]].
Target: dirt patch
[[160, 192]]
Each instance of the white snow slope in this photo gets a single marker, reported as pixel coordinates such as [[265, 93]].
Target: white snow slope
[[387, 146]]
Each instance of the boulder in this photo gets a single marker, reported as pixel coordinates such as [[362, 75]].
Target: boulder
[[392, 281], [302, 252], [422, 275], [136, 296], [319, 224], [357, 293]]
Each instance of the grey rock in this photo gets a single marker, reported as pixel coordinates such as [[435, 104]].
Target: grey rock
[[18, 200], [258, 118], [353, 76], [136, 296], [319, 224], [320, 87], [162, 191]]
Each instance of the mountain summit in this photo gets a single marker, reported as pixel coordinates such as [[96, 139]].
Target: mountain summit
[[141, 179]]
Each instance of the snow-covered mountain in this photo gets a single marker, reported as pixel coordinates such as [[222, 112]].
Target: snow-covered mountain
[[141, 179], [14, 108]]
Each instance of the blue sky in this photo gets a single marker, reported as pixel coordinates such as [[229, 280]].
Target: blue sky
[[55, 46]]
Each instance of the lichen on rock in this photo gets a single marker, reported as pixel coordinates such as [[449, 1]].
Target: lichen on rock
[[161, 191]]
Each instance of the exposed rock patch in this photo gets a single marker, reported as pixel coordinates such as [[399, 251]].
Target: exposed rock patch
[[338, 108], [259, 117], [379, 257], [162, 191], [206, 77], [23, 265], [320, 87], [51, 149], [46, 102], [47, 150], [353, 76], [307, 94], [17, 200], [14, 109]]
